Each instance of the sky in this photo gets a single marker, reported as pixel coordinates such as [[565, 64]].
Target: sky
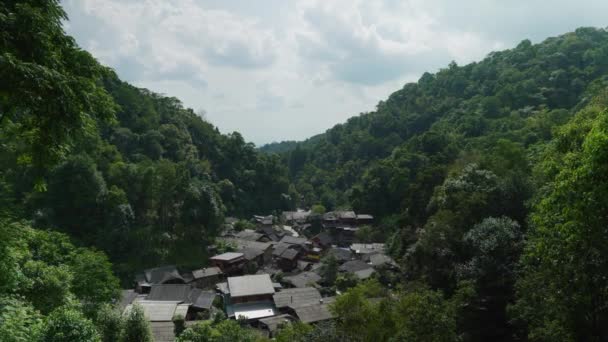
[[278, 70]]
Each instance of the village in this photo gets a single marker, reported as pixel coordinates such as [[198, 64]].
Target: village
[[272, 272]]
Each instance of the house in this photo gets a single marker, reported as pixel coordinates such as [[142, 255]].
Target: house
[[364, 219], [280, 248], [344, 235], [359, 268], [158, 275], [229, 263], [347, 217], [322, 240], [292, 240], [126, 298], [251, 235], [197, 299], [342, 255], [311, 314], [296, 297], [262, 254], [271, 325], [250, 297], [304, 279], [363, 249], [304, 265], [381, 260], [295, 217], [160, 311], [271, 233], [160, 314], [263, 220], [288, 260], [206, 278]]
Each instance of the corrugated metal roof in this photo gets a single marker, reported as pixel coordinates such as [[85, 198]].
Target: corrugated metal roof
[[206, 272], [249, 234], [289, 254], [251, 310], [127, 297], [204, 300], [296, 297], [156, 311], [364, 274], [293, 240], [354, 266], [181, 309], [303, 279], [227, 256], [314, 313], [250, 285], [173, 292], [272, 323]]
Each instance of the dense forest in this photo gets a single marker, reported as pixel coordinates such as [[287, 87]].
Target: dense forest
[[488, 182], [466, 170]]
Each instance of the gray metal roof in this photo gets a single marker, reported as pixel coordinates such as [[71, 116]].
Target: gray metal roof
[[380, 259], [172, 292], [227, 256], [354, 266], [242, 243], [367, 248], [250, 285], [364, 274], [341, 254], [280, 248], [161, 275], [223, 288], [296, 297], [251, 253], [156, 311], [303, 279], [249, 234], [272, 323], [126, 298], [324, 238], [206, 272], [289, 254], [314, 313], [204, 300], [293, 240]]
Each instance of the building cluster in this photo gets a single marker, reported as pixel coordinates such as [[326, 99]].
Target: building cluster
[[266, 276]]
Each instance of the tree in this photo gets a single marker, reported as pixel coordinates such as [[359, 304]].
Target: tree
[[67, 324], [424, 315], [109, 323], [179, 325], [223, 331], [294, 332], [329, 269], [94, 282], [562, 292], [318, 209], [136, 326], [50, 87], [495, 245], [19, 322]]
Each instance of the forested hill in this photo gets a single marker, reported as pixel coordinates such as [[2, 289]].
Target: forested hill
[[128, 171], [389, 160]]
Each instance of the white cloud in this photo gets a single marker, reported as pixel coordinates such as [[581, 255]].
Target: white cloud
[[277, 69]]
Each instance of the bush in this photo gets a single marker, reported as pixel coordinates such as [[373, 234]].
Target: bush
[[179, 325], [67, 324], [137, 327], [109, 323]]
